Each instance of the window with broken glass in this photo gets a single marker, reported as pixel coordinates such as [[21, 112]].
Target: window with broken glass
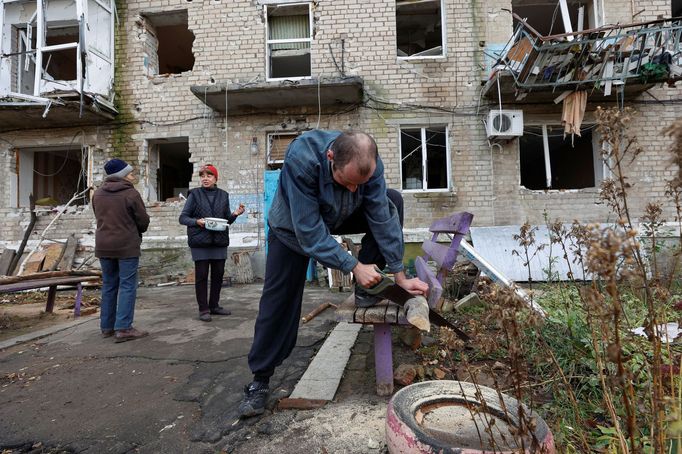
[[168, 43], [289, 32], [53, 175], [424, 158], [419, 28], [548, 160], [171, 174], [557, 17], [278, 143], [70, 41]]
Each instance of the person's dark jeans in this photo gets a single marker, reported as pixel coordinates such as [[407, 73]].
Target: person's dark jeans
[[279, 312], [201, 272], [119, 290]]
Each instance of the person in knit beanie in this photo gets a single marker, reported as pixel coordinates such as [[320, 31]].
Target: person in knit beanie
[[121, 221], [208, 247]]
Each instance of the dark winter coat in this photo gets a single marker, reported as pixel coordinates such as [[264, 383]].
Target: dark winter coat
[[121, 219], [198, 206]]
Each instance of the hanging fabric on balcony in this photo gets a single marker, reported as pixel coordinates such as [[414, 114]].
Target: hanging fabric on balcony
[[574, 112]]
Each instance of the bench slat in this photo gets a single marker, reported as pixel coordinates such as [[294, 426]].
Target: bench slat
[[376, 314], [455, 223], [49, 282]]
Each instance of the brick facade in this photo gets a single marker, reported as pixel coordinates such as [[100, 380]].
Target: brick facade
[[229, 48]]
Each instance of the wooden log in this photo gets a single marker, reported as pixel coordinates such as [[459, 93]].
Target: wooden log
[[317, 311]]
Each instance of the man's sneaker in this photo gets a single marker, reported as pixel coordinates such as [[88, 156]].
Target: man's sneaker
[[107, 332], [220, 311], [255, 397], [364, 299], [205, 317]]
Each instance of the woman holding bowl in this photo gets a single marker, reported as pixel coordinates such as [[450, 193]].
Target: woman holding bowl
[[208, 238]]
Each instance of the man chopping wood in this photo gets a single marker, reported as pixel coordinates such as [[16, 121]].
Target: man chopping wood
[[331, 183]]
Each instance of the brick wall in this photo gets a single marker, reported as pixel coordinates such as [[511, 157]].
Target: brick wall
[[229, 48]]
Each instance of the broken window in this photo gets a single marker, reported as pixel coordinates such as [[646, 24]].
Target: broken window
[[551, 18], [549, 160], [289, 31], [419, 29], [278, 143], [47, 35], [52, 175], [169, 43], [424, 158], [171, 169]]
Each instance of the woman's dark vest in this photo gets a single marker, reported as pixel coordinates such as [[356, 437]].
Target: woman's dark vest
[[203, 208]]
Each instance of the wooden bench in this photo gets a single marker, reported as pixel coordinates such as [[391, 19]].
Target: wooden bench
[[385, 314], [51, 283]]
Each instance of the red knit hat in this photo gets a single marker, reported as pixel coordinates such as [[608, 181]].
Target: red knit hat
[[210, 169]]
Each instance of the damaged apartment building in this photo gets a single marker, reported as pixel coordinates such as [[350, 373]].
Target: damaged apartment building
[[464, 99]]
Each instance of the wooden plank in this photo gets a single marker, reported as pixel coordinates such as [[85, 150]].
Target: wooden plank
[[5, 260], [455, 223], [376, 314], [53, 254], [437, 252], [435, 288], [35, 263], [51, 294], [392, 314], [46, 274], [40, 283], [383, 359], [359, 315], [66, 263]]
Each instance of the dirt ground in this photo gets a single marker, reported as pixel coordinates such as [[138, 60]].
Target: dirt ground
[[22, 313]]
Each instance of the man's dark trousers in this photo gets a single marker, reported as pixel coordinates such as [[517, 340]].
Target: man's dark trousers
[[279, 311]]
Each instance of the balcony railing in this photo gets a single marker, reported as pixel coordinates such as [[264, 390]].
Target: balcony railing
[[606, 59]]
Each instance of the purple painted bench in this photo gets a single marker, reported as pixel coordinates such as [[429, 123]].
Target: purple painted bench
[[385, 314], [51, 283]]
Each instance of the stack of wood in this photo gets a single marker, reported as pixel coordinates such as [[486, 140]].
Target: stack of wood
[[57, 256]]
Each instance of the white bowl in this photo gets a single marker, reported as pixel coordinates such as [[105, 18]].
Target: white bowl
[[217, 224]]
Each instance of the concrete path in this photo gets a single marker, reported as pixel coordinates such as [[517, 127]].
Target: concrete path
[[175, 391]]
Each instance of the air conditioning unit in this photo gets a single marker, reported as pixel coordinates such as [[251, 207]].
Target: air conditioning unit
[[504, 124]]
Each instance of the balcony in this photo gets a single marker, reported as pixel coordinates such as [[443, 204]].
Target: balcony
[[610, 63], [281, 96], [56, 63]]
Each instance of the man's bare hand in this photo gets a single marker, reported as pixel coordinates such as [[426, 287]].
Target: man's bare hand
[[415, 285], [201, 223], [366, 275]]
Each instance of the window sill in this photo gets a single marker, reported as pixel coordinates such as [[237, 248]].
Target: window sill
[[281, 79], [430, 194], [424, 59], [524, 190]]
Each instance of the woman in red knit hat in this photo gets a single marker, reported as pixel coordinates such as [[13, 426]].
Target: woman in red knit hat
[[209, 247]]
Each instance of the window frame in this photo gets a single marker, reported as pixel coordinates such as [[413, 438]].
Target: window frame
[[268, 136], [422, 128], [443, 38], [269, 42], [23, 176], [600, 172]]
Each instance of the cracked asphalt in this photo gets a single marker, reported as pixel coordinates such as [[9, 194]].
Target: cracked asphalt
[[175, 391]]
